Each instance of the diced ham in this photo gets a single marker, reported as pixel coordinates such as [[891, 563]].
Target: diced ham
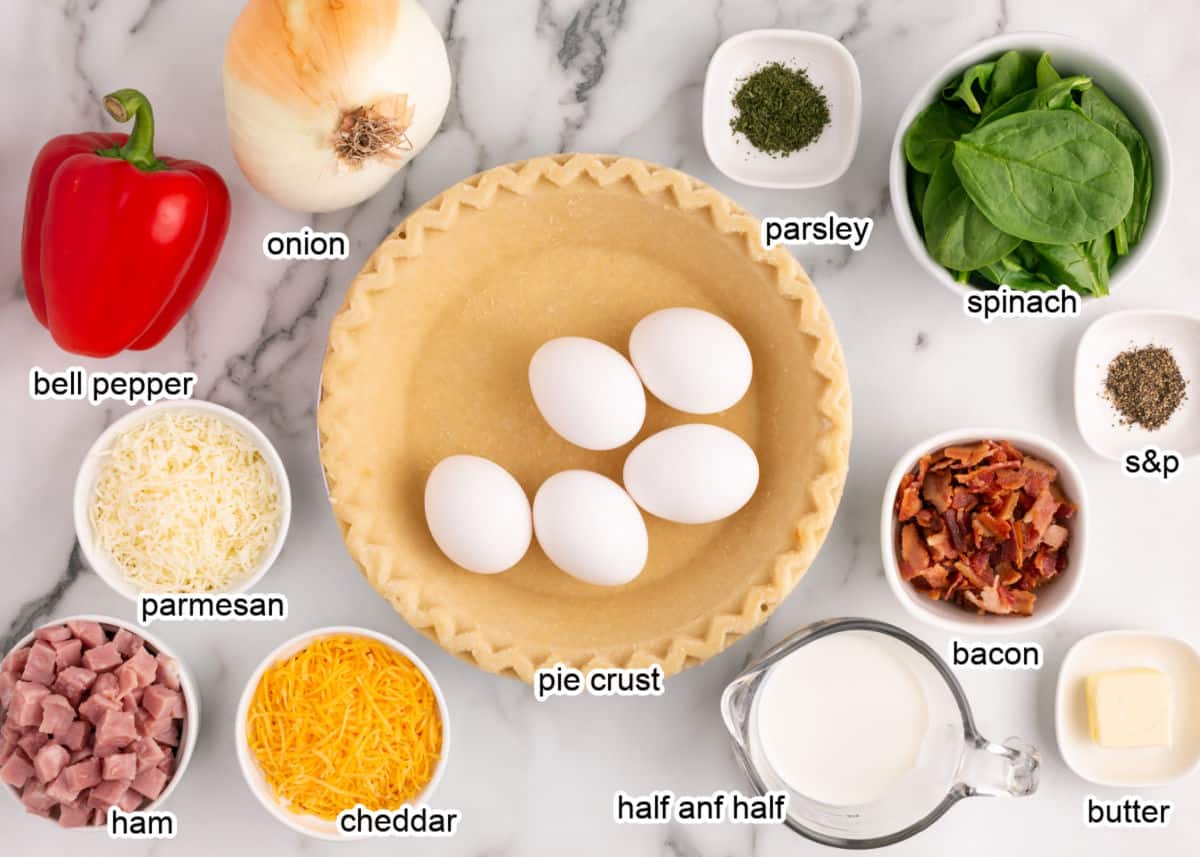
[[14, 664], [149, 753], [167, 764], [80, 755], [160, 701], [49, 761], [32, 741], [108, 793], [36, 800], [149, 783], [8, 744], [116, 729], [61, 791], [127, 643], [72, 682], [26, 706], [51, 633], [8, 681], [144, 666], [16, 770], [76, 736], [57, 714], [131, 801], [126, 683], [168, 671], [90, 633], [95, 707], [107, 685], [68, 653], [72, 815], [39, 668], [102, 658], [83, 775], [102, 751], [120, 766], [168, 736]]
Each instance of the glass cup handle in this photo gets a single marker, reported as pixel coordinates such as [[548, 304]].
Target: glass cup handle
[[1010, 769]]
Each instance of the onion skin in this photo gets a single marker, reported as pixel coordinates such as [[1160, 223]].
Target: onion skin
[[295, 69]]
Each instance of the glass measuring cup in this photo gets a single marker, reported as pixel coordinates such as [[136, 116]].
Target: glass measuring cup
[[955, 761]]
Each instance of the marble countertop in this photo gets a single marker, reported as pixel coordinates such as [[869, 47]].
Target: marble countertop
[[617, 76]]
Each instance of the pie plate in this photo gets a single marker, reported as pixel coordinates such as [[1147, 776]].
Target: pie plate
[[429, 355]]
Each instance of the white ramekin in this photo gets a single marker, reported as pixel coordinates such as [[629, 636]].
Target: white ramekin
[[85, 486], [1070, 56], [319, 828], [191, 699], [1052, 599]]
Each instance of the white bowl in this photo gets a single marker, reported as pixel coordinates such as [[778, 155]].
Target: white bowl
[[309, 825], [89, 471], [1108, 336], [191, 698], [1133, 767], [1070, 56], [1052, 599], [829, 66]]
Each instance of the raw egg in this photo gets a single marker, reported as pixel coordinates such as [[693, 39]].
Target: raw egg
[[590, 528], [588, 392], [477, 514], [692, 360], [692, 474]]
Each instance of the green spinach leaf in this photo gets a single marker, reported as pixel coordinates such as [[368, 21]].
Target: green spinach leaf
[[1083, 267], [918, 183], [957, 234], [1014, 74], [1012, 270], [1050, 176], [964, 89], [1059, 95], [1046, 72], [932, 133], [1097, 106]]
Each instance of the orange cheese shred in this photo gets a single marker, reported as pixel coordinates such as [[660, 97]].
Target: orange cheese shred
[[346, 720]]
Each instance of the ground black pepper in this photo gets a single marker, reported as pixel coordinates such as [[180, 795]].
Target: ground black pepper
[[780, 111], [1145, 386]]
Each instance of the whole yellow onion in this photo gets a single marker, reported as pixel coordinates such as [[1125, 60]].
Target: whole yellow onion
[[327, 99]]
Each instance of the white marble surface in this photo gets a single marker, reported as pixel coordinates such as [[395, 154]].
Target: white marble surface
[[610, 76]]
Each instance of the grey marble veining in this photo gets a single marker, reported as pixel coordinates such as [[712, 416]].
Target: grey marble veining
[[537, 76]]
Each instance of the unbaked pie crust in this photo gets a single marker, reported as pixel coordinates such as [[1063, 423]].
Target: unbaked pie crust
[[429, 355]]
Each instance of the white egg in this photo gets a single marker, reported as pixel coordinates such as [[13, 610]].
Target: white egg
[[692, 474], [477, 514], [590, 528], [587, 392], [692, 360]]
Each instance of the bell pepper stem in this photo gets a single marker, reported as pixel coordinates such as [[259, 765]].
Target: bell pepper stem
[[126, 104]]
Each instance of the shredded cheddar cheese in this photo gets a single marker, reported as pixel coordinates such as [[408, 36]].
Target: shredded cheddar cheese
[[344, 721], [185, 502]]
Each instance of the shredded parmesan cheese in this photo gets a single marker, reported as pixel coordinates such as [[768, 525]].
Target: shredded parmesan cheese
[[344, 721], [185, 502]]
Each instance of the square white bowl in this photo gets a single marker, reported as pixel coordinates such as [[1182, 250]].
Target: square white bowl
[[829, 66], [1133, 767], [1108, 336]]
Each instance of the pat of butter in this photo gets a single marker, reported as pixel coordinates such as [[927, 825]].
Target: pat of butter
[[1130, 708]]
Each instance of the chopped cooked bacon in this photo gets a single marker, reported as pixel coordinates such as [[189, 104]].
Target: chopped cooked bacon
[[939, 544], [910, 500], [914, 558], [936, 490], [969, 455], [982, 526], [1055, 536]]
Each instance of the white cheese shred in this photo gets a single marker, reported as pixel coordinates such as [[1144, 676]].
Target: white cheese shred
[[185, 502]]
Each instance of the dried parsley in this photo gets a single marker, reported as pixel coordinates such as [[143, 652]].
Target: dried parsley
[[1145, 386], [780, 111]]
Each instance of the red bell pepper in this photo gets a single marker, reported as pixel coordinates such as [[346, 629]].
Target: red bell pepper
[[118, 242]]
